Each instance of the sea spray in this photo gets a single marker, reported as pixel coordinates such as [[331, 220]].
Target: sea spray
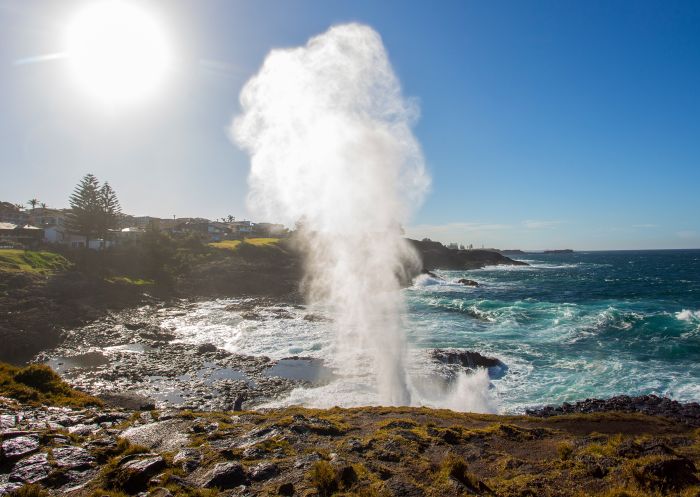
[[329, 135]]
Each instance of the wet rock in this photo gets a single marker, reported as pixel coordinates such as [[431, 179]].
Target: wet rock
[[465, 358], [72, 458], [161, 435], [32, 469], [467, 282], [18, 447], [264, 471], [652, 405], [225, 475], [134, 474], [206, 347], [286, 489]]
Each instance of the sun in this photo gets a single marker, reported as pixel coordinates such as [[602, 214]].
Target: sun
[[117, 52]]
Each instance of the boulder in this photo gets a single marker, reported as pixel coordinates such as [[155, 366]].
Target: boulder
[[466, 282], [161, 435], [225, 475], [206, 347], [32, 469], [18, 447], [135, 473], [264, 471], [469, 360], [72, 458]]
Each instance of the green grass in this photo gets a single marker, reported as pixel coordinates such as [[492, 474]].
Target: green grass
[[30, 261], [234, 244], [38, 384], [226, 244]]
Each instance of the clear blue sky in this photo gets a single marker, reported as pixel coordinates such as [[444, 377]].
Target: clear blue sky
[[545, 124]]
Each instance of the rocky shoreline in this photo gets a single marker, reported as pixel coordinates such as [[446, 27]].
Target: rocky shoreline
[[392, 452]]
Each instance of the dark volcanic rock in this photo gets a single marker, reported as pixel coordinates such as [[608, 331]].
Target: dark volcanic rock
[[646, 404], [206, 347], [225, 475], [466, 282], [436, 256], [465, 358]]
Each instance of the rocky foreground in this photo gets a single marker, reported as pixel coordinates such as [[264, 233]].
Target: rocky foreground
[[364, 452]]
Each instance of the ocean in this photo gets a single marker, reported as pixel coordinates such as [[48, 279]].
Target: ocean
[[568, 327], [573, 326]]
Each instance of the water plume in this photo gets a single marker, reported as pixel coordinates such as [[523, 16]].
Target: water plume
[[329, 135]]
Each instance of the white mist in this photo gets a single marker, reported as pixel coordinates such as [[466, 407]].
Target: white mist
[[329, 135]]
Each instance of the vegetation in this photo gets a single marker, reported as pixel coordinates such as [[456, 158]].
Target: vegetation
[[95, 208], [28, 261], [235, 244], [39, 384], [29, 491]]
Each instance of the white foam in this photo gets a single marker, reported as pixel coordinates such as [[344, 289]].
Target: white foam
[[688, 315]]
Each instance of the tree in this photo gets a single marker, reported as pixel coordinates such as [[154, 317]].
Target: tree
[[84, 218], [110, 209], [230, 218], [95, 209], [42, 205], [33, 203]]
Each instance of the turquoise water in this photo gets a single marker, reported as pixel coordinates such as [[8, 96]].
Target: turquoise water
[[572, 326]]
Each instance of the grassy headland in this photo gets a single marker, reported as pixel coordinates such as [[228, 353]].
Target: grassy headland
[[363, 452]]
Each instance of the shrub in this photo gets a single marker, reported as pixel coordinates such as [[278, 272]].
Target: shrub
[[39, 384], [323, 476], [565, 449]]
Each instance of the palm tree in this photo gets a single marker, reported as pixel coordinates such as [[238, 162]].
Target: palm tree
[[42, 205], [33, 203], [19, 207]]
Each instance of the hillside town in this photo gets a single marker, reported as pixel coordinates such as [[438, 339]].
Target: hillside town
[[38, 224]]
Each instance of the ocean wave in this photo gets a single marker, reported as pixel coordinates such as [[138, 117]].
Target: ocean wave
[[533, 266], [688, 315]]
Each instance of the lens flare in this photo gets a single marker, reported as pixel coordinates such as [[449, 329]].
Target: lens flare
[[117, 52]]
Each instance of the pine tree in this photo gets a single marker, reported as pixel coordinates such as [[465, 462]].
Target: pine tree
[[111, 210], [85, 217]]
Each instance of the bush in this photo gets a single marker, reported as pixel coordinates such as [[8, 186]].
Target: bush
[[39, 384], [323, 476]]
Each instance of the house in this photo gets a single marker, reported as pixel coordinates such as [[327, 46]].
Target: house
[[129, 234], [241, 227], [20, 235]]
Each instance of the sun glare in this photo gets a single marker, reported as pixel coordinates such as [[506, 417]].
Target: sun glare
[[118, 53]]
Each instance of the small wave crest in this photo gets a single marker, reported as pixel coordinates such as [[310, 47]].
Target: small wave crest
[[688, 315]]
